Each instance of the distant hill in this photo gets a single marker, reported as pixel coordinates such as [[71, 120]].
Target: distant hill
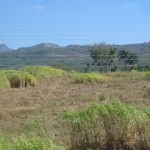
[[74, 56], [4, 48], [142, 50]]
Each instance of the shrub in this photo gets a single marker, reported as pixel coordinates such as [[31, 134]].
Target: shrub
[[18, 79], [134, 75], [27, 142], [43, 71], [107, 126], [90, 77], [4, 82]]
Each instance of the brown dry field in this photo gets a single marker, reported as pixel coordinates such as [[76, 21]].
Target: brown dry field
[[45, 101]]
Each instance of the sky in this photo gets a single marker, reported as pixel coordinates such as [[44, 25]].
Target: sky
[[66, 22]]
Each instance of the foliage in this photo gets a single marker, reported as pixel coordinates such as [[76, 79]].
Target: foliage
[[27, 142], [135, 75], [68, 55], [90, 77], [18, 79], [107, 126], [127, 58], [34, 143], [43, 71], [4, 82], [103, 56]]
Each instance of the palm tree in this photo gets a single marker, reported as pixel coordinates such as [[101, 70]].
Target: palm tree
[[123, 57], [132, 59], [127, 58]]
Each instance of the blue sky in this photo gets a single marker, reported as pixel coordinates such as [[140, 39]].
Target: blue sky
[[29, 22]]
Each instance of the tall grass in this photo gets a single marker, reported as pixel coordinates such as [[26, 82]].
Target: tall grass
[[36, 139], [43, 71], [108, 126], [34, 142], [16, 79], [90, 77], [27, 142], [135, 75], [4, 82]]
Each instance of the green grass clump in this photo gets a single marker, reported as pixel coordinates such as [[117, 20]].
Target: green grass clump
[[18, 79], [34, 143], [5, 143], [43, 71], [90, 77], [4, 82], [27, 142], [108, 126], [134, 75]]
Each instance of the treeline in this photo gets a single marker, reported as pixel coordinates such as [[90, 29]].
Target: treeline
[[108, 58]]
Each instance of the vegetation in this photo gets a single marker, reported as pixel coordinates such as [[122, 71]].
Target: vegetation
[[27, 142], [16, 79], [103, 56], [134, 75], [127, 58], [105, 124], [108, 126], [43, 71], [4, 83], [91, 77], [73, 56]]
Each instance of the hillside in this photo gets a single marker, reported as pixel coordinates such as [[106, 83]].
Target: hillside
[[4, 48], [74, 56]]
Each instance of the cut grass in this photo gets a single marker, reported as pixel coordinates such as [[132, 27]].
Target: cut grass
[[90, 77], [43, 71]]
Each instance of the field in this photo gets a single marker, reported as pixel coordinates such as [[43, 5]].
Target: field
[[38, 110]]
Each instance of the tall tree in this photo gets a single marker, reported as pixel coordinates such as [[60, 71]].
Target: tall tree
[[103, 56]]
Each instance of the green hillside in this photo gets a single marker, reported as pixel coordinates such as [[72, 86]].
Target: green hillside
[[73, 56]]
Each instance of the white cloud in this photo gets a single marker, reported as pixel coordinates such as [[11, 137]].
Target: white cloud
[[36, 8]]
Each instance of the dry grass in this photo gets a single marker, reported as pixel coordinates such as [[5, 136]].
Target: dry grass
[[51, 96]]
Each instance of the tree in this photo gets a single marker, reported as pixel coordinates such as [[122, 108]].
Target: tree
[[103, 56], [127, 58]]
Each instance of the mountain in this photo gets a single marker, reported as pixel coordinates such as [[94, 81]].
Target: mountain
[[4, 48], [41, 46], [74, 56]]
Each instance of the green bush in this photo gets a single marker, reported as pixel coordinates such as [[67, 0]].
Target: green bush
[[27, 142], [107, 126], [134, 75], [17, 79], [4, 82], [43, 71], [90, 77]]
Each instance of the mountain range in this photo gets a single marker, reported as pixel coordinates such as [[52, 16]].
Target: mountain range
[[74, 56], [4, 48]]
